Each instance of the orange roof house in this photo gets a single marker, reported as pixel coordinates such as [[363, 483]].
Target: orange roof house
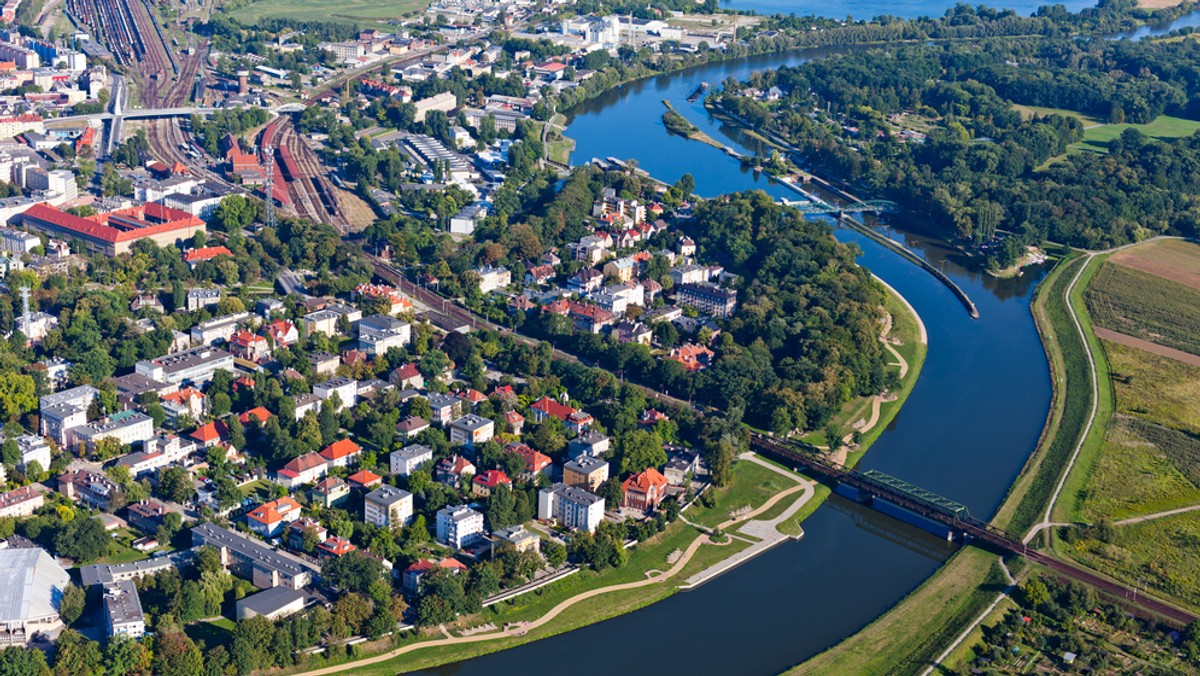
[[645, 490], [258, 413], [341, 453], [546, 407], [335, 547], [210, 434], [364, 479], [270, 518]]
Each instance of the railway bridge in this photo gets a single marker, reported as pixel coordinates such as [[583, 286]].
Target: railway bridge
[[956, 517]]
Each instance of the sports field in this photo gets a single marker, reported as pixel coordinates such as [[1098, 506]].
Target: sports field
[[362, 12]]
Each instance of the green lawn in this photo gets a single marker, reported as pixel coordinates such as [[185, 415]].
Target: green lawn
[[1133, 476], [213, 633], [362, 12], [1095, 139], [1029, 111], [752, 486], [1156, 388], [1161, 555], [260, 489]]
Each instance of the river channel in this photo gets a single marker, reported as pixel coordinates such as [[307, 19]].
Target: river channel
[[965, 432]]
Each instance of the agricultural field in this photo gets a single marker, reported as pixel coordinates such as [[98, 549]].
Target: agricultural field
[[1095, 139], [1143, 468], [1154, 388], [361, 12], [1174, 259], [1146, 306]]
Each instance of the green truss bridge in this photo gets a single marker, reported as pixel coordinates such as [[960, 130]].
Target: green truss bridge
[[817, 207]]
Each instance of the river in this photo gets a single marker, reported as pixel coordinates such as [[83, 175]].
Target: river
[[965, 432]]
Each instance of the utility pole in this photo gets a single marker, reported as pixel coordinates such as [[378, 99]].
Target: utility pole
[[269, 184]]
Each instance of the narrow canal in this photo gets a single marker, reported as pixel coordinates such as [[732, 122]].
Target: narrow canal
[[965, 432]]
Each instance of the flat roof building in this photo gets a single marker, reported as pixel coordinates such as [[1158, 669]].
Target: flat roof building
[[123, 609], [254, 560], [31, 588], [273, 604]]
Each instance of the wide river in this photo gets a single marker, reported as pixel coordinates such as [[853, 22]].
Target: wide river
[[965, 432]]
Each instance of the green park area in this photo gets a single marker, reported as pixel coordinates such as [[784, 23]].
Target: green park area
[[363, 12], [1095, 139]]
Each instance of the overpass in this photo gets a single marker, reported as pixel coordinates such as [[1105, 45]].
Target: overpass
[[816, 206], [877, 485]]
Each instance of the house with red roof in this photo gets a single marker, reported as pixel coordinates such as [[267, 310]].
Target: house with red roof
[[210, 434], [249, 346], [546, 407], [411, 578], [693, 357], [645, 490], [188, 400], [302, 470], [194, 257], [651, 417], [341, 453], [282, 332], [259, 413], [364, 479], [295, 531], [329, 492], [407, 377], [484, 483], [334, 547], [270, 518], [536, 462], [578, 422], [471, 396], [449, 470], [515, 422]]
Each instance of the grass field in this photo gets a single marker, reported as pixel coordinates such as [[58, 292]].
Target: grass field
[[1095, 139], [214, 633], [752, 485], [1140, 304], [351, 11], [1156, 388], [1028, 112], [910, 635], [1163, 555], [1134, 476]]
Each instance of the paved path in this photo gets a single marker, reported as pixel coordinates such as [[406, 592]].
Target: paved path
[[1156, 515], [1012, 583], [1087, 350], [522, 628]]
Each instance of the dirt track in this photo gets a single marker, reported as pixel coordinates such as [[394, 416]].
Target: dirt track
[[1152, 348]]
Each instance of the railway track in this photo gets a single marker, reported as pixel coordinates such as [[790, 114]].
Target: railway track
[[314, 196]]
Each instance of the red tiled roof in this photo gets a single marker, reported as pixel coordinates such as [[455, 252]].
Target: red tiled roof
[[210, 432], [340, 449], [492, 478], [364, 478], [336, 546], [643, 482], [327, 485], [553, 408], [273, 512], [407, 371], [259, 413], [535, 461], [426, 565], [302, 464], [206, 253], [181, 396], [134, 223]]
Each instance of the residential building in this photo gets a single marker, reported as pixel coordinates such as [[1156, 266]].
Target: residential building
[[546, 408], [195, 366], [410, 427], [487, 481], [628, 331], [681, 465], [536, 462], [201, 298], [123, 610], [406, 460], [302, 470], [621, 269], [33, 449], [407, 377], [210, 434], [467, 219], [443, 407], [262, 565], [147, 515], [471, 429], [693, 357], [249, 346], [517, 538], [459, 526], [62, 412], [707, 298], [346, 390], [274, 604], [387, 506], [106, 573], [270, 518], [590, 443], [411, 578], [645, 490], [126, 427], [323, 322], [219, 329], [296, 530], [95, 489], [329, 492], [493, 278], [571, 506], [514, 421], [586, 472], [393, 301], [21, 502], [341, 453], [450, 470], [189, 401], [334, 547], [446, 102], [379, 333]]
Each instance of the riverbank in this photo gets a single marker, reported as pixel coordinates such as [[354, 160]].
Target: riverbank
[[678, 124]]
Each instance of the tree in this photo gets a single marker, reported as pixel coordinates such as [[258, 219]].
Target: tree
[[175, 484], [71, 606], [18, 395], [125, 656], [171, 524], [640, 450], [686, 184], [177, 655], [18, 661], [556, 554], [82, 540], [251, 640], [353, 610], [76, 655], [501, 508], [353, 572], [1035, 594]]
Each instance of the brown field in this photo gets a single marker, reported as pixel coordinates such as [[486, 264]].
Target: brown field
[[1152, 348], [1158, 4], [1173, 259]]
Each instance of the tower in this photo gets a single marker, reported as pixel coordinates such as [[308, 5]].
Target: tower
[[26, 318], [243, 77]]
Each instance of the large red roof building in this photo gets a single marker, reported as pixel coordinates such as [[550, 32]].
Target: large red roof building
[[115, 232]]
